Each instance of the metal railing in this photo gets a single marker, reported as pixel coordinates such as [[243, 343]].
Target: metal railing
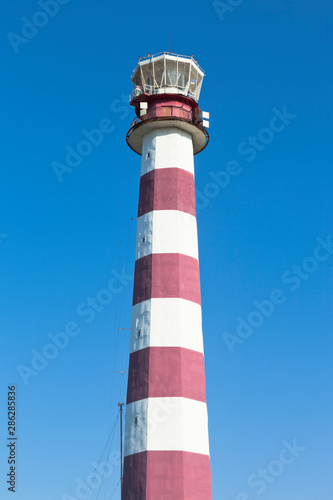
[[149, 89], [173, 112]]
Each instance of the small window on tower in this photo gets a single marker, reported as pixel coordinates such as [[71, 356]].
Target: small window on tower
[[139, 334], [148, 155], [136, 420], [143, 239]]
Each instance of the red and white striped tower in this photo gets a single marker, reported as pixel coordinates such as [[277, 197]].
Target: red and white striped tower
[[166, 437]]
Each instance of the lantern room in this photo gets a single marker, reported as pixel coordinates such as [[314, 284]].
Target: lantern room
[[167, 73]]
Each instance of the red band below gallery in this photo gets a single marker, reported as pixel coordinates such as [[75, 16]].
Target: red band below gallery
[[167, 189]]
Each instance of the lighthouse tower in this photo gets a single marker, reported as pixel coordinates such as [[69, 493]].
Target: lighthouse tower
[[166, 453]]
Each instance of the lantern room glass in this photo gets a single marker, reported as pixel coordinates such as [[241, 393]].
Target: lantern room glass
[[168, 73]]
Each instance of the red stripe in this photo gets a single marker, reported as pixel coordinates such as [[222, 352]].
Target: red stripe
[[167, 189], [135, 477], [166, 275], [166, 372], [165, 475]]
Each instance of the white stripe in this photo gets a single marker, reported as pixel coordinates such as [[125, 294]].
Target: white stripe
[[166, 322], [166, 424], [166, 148], [167, 231]]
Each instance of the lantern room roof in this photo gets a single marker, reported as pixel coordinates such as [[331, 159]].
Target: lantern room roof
[[167, 73]]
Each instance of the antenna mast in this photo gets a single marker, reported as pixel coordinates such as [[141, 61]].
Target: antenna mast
[[121, 448]]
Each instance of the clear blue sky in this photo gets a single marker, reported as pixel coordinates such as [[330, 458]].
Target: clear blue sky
[[268, 384]]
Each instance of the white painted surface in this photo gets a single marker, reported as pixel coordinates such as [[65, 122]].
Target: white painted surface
[[144, 230], [167, 231], [136, 434], [167, 424], [167, 322], [166, 148]]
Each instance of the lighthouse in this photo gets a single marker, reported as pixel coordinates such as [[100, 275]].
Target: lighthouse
[[166, 451]]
